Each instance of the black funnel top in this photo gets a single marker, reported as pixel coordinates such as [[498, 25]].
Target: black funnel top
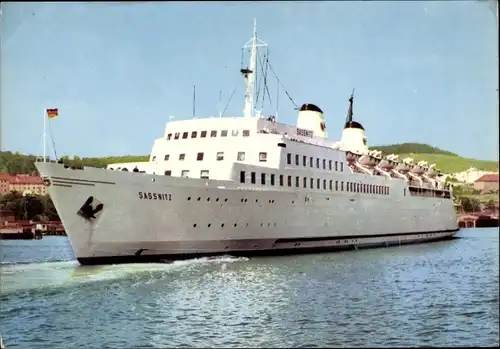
[[353, 124], [349, 123], [310, 107]]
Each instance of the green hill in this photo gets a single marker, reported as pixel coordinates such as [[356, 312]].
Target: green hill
[[411, 148], [452, 164], [446, 161], [15, 163]]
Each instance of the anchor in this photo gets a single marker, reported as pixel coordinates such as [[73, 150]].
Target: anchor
[[90, 208]]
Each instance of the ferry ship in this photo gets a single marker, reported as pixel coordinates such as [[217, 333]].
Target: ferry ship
[[249, 185]]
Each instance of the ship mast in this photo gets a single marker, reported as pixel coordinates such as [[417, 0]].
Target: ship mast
[[348, 119], [249, 73]]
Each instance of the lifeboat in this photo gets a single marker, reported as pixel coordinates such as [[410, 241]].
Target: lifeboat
[[405, 166], [432, 171], [420, 168], [352, 157], [393, 157], [388, 163], [377, 153], [371, 159]]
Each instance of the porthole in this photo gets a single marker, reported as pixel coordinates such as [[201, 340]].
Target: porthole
[[246, 200], [222, 225], [194, 225], [235, 225], [189, 198], [217, 200], [225, 200], [261, 224], [208, 199], [293, 202], [268, 225], [209, 225], [256, 200], [199, 198], [274, 224], [246, 224]]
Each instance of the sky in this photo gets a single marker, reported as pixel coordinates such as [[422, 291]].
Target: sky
[[423, 72]]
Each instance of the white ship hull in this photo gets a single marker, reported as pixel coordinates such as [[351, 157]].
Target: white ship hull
[[220, 217]]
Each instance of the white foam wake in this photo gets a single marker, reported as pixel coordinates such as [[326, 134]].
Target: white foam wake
[[26, 277]]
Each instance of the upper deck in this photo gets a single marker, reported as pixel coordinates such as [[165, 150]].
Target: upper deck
[[234, 127], [212, 145]]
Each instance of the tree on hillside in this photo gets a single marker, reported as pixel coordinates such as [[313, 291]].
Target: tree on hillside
[[14, 163], [468, 204], [491, 205], [450, 179], [29, 207]]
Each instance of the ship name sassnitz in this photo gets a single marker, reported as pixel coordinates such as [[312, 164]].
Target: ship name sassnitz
[[155, 196]]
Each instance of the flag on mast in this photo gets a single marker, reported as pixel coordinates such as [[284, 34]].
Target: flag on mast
[[52, 113]]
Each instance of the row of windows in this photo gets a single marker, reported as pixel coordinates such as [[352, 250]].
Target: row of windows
[[339, 185], [311, 162], [225, 200], [269, 225], [427, 192], [311, 182], [317, 183], [219, 156], [126, 169], [204, 174], [203, 134]]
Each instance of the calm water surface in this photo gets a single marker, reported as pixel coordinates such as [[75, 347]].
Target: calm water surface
[[439, 294]]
